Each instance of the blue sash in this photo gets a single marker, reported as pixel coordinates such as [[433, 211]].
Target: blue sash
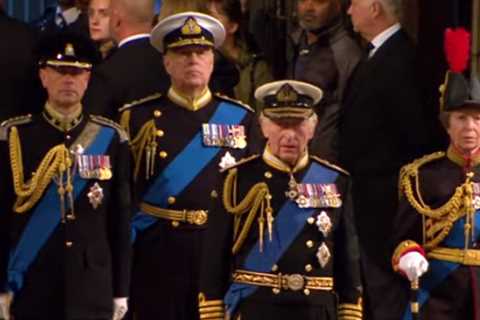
[[439, 270], [45, 219], [182, 170], [288, 224]]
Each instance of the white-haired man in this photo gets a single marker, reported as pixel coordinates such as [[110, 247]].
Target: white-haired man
[[382, 129], [281, 243]]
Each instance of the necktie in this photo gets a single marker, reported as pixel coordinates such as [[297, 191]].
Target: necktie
[[369, 48], [60, 21]]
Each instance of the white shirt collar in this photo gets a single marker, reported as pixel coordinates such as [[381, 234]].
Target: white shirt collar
[[380, 39], [70, 15], [134, 37]]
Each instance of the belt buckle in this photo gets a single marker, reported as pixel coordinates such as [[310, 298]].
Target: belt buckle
[[294, 282], [197, 217]]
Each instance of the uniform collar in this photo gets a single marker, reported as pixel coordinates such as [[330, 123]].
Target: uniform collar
[[465, 162], [381, 38], [70, 15], [275, 162], [187, 103], [133, 38], [60, 121]]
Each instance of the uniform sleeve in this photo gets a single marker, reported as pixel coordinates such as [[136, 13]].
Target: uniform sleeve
[[408, 232], [119, 221], [347, 260], [216, 259], [6, 204]]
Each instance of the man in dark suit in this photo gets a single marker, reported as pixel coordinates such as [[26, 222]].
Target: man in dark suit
[[66, 16], [135, 69], [65, 209], [382, 128], [18, 91]]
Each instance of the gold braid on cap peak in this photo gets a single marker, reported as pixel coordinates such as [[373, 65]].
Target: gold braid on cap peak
[[57, 160], [145, 142], [437, 223], [256, 203]]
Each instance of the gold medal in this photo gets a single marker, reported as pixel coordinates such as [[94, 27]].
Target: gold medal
[[241, 142]]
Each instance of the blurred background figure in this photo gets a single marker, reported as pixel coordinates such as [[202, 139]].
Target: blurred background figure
[[135, 69], [20, 89], [240, 49], [98, 24], [323, 53], [65, 16]]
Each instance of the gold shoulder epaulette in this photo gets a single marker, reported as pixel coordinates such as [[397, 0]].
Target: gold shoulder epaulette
[[330, 165], [5, 125], [139, 101], [227, 98], [240, 162], [412, 167], [110, 123]]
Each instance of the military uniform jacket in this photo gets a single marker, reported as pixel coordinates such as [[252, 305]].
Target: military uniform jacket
[[166, 130], [452, 287], [83, 261], [224, 253]]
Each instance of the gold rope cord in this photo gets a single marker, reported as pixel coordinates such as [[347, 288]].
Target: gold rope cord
[[28, 193], [256, 203], [442, 218], [145, 141]]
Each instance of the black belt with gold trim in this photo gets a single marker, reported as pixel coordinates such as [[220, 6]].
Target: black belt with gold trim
[[196, 217], [293, 282]]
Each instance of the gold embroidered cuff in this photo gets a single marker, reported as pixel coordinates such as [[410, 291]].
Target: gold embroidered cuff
[[403, 248], [210, 309], [350, 311]]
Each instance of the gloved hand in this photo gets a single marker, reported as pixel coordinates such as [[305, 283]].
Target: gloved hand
[[5, 300], [120, 308], [413, 264]]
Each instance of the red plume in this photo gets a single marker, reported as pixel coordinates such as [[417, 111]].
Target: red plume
[[457, 48]]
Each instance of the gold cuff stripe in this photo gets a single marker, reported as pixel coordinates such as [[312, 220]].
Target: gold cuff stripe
[[211, 309], [400, 250], [350, 306], [349, 318], [216, 315], [351, 313]]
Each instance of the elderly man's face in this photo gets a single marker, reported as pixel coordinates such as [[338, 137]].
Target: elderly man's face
[[189, 67], [360, 12], [287, 139], [314, 14], [464, 130], [65, 85]]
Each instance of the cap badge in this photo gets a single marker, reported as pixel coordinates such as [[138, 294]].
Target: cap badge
[[69, 50], [287, 94], [191, 27]]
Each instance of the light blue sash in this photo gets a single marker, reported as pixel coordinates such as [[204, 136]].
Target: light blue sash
[[46, 217], [188, 164], [288, 224]]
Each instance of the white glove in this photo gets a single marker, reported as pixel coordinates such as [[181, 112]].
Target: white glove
[[413, 264], [5, 300], [120, 308]]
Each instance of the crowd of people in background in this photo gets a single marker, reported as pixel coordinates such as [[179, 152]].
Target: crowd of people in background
[[163, 76]]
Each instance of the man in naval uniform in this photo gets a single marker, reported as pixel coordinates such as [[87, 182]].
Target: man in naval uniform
[[179, 142], [438, 223], [281, 242], [65, 209]]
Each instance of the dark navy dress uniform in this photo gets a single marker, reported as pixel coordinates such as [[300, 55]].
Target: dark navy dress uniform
[[84, 261], [167, 249], [439, 217], [276, 295], [65, 210], [281, 242]]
